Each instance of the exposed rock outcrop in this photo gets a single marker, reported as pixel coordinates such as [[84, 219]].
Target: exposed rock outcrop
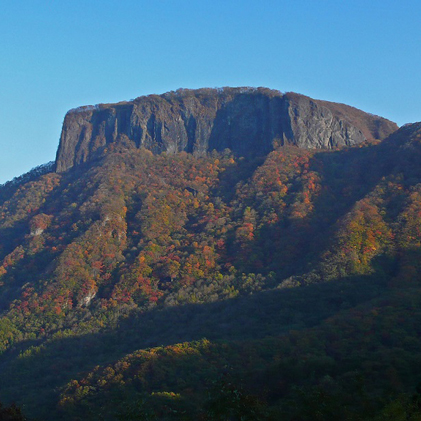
[[246, 120]]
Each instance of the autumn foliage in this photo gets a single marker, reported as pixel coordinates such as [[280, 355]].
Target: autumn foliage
[[120, 256]]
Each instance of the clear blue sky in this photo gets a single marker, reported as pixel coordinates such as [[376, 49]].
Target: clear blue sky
[[56, 55]]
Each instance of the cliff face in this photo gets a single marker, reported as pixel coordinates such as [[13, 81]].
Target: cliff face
[[246, 120]]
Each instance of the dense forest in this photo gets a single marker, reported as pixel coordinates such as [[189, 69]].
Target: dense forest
[[215, 287]]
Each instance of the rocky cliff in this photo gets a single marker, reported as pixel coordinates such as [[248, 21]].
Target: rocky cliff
[[246, 120]]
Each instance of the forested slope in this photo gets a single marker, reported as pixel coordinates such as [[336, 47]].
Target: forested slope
[[181, 287]]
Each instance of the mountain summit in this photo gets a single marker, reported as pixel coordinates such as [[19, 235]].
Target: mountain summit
[[248, 121]]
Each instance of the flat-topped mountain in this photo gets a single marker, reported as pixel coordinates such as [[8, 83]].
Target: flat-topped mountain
[[249, 121], [194, 285]]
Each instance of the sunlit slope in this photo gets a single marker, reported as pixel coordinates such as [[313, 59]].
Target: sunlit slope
[[298, 253]]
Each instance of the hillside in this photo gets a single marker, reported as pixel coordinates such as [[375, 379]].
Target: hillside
[[189, 286]]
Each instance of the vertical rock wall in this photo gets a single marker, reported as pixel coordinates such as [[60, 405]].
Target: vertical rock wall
[[245, 120]]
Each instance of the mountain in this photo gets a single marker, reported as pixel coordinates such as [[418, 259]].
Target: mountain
[[283, 284], [248, 121]]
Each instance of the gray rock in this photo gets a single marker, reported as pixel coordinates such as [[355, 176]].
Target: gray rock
[[248, 121]]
